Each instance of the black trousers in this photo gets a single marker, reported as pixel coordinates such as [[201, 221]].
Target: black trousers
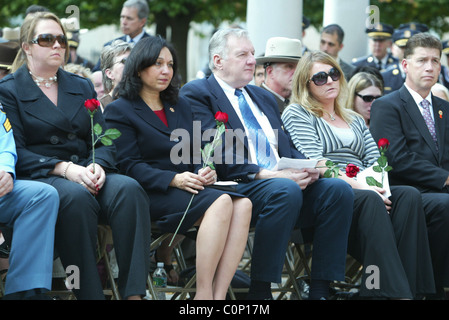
[[122, 204], [436, 207], [396, 243]]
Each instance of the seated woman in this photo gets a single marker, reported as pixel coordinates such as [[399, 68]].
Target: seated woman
[[52, 132], [389, 234], [364, 88], [147, 112]]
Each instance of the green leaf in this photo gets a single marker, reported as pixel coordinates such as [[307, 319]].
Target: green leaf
[[329, 164], [377, 169], [382, 161], [328, 173], [98, 129], [112, 134], [373, 182], [388, 168], [106, 141]]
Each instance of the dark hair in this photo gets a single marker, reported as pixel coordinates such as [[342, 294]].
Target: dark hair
[[423, 40], [335, 28], [145, 54]]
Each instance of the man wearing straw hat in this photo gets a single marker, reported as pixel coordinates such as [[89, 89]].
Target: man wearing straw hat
[[280, 61]]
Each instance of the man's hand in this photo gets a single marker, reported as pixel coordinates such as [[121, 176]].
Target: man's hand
[[301, 177], [6, 183]]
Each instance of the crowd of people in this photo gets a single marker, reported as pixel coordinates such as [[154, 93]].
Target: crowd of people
[[289, 102]]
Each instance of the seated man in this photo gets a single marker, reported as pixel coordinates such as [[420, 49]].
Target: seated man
[[30, 208], [416, 123], [280, 198]]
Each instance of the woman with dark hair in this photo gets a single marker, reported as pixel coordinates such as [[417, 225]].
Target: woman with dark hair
[[52, 131], [147, 112]]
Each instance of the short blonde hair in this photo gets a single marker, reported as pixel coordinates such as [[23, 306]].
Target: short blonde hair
[[300, 88]]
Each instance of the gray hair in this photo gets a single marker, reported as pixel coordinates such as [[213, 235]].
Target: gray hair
[[141, 5], [219, 42], [108, 54]]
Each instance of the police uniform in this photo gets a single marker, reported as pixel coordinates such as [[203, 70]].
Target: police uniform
[[380, 31], [30, 209], [394, 76]]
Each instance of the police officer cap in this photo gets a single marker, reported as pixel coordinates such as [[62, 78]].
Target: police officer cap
[[445, 45], [421, 27], [380, 31], [401, 36]]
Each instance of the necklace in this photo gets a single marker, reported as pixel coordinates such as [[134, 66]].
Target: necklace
[[46, 82], [331, 115]]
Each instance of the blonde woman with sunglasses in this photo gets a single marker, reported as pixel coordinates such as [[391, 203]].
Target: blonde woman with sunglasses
[[364, 88], [387, 234], [52, 132]]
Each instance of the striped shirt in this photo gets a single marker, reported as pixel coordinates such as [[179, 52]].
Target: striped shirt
[[317, 139]]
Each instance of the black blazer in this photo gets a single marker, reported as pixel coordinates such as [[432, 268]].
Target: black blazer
[[207, 97], [412, 152], [46, 134], [144, 150]]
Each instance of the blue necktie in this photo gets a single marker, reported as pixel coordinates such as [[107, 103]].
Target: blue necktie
[[264, 155], [429, 121]]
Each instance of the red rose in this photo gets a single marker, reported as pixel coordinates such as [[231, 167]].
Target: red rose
[[383, 143], [352, 170], [92, 105], [221, 116]]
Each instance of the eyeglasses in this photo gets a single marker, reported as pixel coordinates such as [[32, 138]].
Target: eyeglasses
[[320, 78], [122, 61], [48, 40], [368, 98]]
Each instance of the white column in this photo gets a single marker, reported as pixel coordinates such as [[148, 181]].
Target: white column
[[273, 18], [351, 15]]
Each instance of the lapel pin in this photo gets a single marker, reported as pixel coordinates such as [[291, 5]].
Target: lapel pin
[[172, 110], [441, 114]]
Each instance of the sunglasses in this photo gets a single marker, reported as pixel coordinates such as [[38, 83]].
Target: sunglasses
[[48, 40], [368, 98], [320, 78], [122, 61]]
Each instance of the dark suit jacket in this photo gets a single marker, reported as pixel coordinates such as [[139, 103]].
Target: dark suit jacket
[[145, 148], [207, 97], [46, 134], [412, 152]]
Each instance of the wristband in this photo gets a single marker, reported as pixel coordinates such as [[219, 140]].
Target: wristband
[[64, 173]]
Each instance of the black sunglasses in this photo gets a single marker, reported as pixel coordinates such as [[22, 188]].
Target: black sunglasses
[[320, 78], [122, 61], [368, 98], [48, 40]]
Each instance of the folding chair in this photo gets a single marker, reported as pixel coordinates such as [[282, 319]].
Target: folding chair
[[176, 292]]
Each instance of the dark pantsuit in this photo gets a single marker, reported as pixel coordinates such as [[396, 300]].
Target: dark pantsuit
[[121, 203]]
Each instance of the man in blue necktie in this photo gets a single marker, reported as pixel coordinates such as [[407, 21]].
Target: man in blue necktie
[[282, 199]]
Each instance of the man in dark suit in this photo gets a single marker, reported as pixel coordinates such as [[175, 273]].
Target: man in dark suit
[[380, 43], [280, 61], [331, 42], [416, 123], [133, 19], [280, 198]]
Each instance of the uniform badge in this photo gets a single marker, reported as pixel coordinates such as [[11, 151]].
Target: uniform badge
[[395, 72]]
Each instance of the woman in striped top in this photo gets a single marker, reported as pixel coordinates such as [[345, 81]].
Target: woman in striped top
[[388, 234]]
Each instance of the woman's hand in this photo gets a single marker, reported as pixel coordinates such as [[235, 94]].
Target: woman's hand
[[208, 174], [188, 181], [381, 192], [85, 176]]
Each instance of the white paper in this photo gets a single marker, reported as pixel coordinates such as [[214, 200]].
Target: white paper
[[225, 183], [369, 172], [289, 163]]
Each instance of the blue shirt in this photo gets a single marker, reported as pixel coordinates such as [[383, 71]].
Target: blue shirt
[[8, 155]]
